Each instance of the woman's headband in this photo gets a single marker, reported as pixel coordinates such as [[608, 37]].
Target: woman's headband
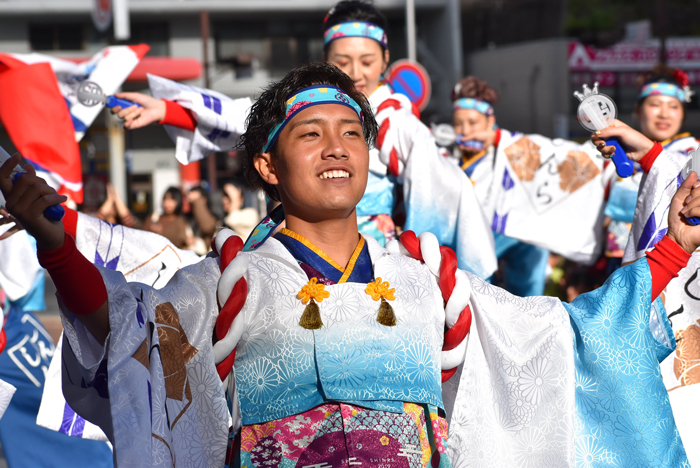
[[475, 104], [311, 96], [683, 94], [355, 29]]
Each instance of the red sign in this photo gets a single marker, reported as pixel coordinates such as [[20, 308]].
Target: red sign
[[410, 79], [636, 57]]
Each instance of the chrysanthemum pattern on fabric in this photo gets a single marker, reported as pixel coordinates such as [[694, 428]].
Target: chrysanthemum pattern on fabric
[[549, 394], [682, 293], [279, 365], [617, 373]]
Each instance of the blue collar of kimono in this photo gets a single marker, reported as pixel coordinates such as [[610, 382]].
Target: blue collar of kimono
[[307, 97], [264, 229], [469, 166], [358, 270], [474, 104], [316, 264], [355, 29]]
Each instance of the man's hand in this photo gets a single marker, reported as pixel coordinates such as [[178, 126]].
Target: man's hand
[[685, 203], [634, 143], [26, 200], [152, 110]]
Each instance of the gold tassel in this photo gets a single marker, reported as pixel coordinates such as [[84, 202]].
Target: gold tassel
[[311, 318], [386, 314]]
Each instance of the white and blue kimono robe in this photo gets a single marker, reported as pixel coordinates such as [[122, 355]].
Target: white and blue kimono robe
[[544, 192], [437, 196], [680, 372], [544, 383]]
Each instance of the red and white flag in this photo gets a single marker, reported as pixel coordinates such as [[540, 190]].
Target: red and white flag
[[40, 111]]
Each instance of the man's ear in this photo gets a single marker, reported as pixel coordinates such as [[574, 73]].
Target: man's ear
[[386, 60], [263, 164]]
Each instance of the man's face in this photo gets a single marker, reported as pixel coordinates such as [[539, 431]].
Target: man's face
[[320, 163]]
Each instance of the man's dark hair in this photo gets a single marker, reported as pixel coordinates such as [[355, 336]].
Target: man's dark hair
[[270, 108], [354, 10]]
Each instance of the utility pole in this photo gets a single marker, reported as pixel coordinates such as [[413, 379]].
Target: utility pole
[[411, 29], [661, 29]]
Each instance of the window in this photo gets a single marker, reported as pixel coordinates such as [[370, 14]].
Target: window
[[66, 36], [156, 35], [274, 47]]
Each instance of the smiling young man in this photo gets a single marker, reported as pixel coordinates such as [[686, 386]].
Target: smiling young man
[[339, 342]]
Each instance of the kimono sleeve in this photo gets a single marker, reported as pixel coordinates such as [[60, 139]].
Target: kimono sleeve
[[622, 406], [440, 198], [549, 193], [153, 387], [220, 119], [651, 213]]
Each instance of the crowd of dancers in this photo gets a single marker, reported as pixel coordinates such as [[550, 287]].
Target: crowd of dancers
[[388, 310]]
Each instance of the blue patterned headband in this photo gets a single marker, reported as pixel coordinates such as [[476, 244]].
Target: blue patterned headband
[[311, 96], [475, 104], [355, 29], [665, 89]]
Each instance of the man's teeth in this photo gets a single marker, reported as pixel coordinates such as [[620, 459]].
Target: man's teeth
[[334, 175]]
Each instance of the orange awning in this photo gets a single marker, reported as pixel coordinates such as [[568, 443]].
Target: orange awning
[[172, 68], [176, 69]]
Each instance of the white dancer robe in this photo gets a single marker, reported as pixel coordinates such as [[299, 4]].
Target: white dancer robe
[[534, 391], [220, 119], [141, 256], [545, 192], [438, 196], [681, 372]]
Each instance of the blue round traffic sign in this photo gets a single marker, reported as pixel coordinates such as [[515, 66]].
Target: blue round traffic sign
[[410, 79]]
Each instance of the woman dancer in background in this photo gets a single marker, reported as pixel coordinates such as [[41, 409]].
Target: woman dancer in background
[[436, 196]]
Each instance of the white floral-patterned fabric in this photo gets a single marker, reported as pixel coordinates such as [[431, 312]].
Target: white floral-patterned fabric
[[355, 359], [552, 384], [681, 372], [142, 257], [540, 385], [549, 193], [153, 389]]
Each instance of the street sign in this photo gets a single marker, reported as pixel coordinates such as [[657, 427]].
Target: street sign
[[410, 79]]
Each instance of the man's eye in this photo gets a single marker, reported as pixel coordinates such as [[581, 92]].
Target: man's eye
[[310, 134], [367, 64]]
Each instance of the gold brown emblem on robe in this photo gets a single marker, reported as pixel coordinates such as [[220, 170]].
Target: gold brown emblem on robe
[[576, 170], [524, 157], [687, 357], [175, 352]]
